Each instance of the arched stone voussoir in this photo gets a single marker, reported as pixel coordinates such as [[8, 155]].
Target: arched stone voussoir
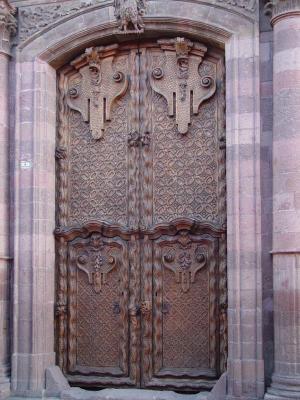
[[63, 39]]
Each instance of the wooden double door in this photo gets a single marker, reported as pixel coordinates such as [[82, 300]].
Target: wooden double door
[[141, 237]]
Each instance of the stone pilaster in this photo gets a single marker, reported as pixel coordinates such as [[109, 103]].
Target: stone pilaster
[[285, 18], [7, 28]]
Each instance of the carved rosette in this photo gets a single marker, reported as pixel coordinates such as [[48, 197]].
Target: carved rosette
[[8, 26], [277, 9], [97, 85], [179, 82], [129, 15]]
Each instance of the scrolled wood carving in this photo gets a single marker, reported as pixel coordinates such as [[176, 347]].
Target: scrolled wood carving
[[185, 260], [97, 85], [179, 80], [96, 262]]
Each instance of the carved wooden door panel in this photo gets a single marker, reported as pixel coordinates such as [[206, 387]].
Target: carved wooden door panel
[[183, 216], [141, 251], [98, 251]]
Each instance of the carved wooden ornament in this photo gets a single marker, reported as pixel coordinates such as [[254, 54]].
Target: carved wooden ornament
[[98, 85], [141, 214], [96, 263], [186, 261], [179, 80]]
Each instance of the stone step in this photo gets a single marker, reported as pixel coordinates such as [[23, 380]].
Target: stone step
[[129, 394]]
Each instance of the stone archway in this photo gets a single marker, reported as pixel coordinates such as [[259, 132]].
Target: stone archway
[[37, 61]]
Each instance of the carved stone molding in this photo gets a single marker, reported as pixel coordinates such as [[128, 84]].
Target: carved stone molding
[[277, 9], [129, 14], [8, 25], [35, 18], [249, 5]]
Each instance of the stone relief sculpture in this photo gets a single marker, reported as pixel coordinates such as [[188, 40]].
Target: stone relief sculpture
[[129, 14], [8, 23], [35, 18], [249, 5]]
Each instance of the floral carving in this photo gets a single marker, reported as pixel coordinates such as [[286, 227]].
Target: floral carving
[[129, 14], [8, 25], [96, 262], [185, 260], [249, 5], [35, 18]]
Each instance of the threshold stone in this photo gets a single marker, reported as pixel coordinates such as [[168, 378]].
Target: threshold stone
[[128, 394]]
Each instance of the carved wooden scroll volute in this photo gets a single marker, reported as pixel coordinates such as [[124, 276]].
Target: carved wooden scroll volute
[[96, 261], [100, 81], [178, 80], [185, 259]]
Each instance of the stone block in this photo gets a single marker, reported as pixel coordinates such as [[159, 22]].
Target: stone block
[[219, 391], [55, 382], [4, 388], [136, 394]]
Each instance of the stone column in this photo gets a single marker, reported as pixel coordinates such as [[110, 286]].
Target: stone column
[[7, 28], [286, 199]]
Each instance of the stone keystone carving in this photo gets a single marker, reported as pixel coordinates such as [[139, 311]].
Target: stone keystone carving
[[97, 85], [8, 25], [179, 80], [129, 14]]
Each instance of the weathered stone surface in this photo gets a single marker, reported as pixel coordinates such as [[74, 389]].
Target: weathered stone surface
[[220, 389], [286, 227], [55, 382], [7, 29], [129, 394]]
